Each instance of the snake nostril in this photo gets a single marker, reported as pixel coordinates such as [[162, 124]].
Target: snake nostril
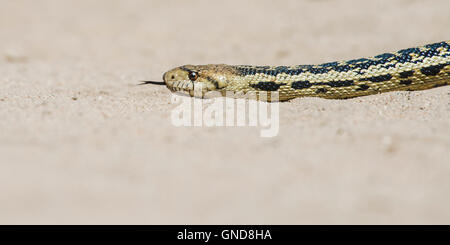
[[172, 77]]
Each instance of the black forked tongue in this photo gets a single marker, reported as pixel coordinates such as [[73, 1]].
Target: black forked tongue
[[152, 82]]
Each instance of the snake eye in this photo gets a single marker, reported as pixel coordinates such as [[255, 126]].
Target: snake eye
[[193, 75]]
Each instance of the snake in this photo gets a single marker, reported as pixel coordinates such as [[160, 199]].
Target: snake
[[418, 68]]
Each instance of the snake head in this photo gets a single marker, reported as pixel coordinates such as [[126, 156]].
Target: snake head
[[197, 80]]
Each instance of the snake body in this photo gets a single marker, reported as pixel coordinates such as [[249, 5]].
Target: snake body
[[410, 69]]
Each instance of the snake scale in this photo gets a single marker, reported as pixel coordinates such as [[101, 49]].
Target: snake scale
[[410, 69]]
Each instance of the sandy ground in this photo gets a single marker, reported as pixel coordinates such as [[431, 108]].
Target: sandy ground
[[80, 143]]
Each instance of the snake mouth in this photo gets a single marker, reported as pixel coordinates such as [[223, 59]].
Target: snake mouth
[[187, 87]]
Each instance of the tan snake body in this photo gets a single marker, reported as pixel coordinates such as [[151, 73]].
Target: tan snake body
[[417, 68]]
